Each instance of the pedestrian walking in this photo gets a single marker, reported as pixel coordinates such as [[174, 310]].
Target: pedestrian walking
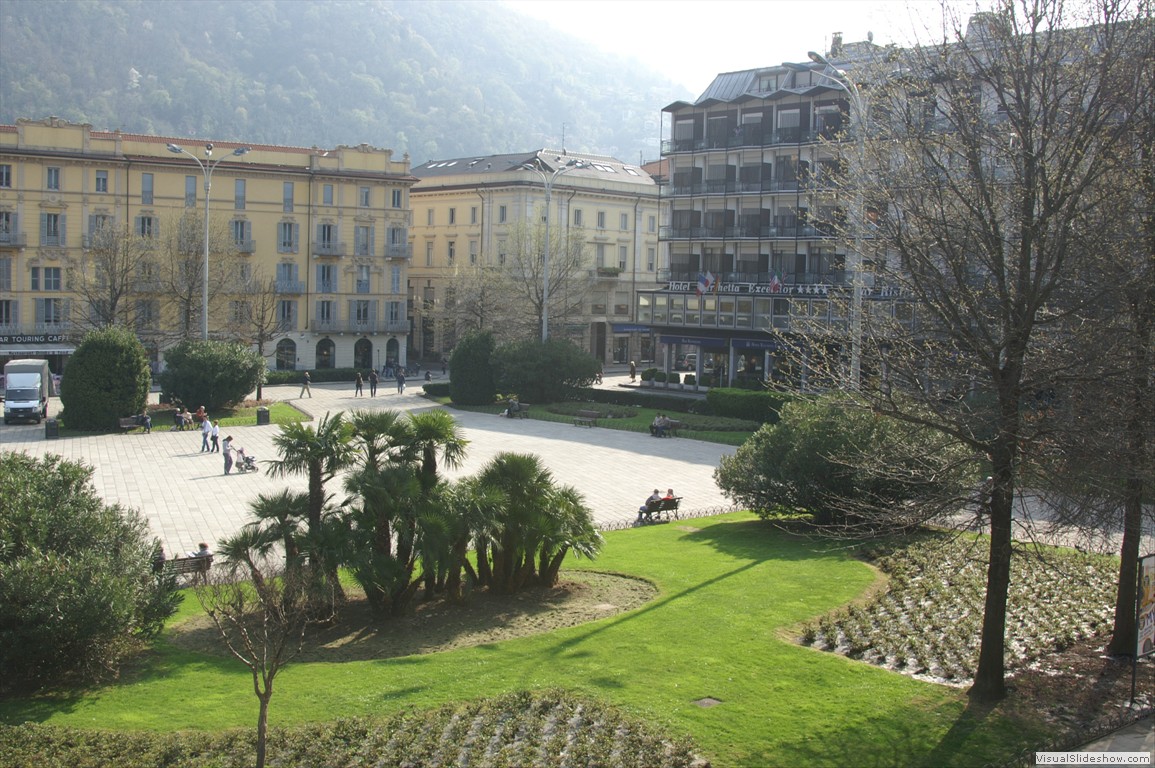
[[373, 382], [206, 433], [400, 381], [357, 388], [305, 386], [216, 435]]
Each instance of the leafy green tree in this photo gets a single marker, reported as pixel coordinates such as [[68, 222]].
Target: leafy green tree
[[78, 591], [543, 372], [471, 370], [838, 463], [215, 374], [108, 377]]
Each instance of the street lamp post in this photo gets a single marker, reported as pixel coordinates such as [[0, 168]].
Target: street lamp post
[[857, 126], [207, 169], [547, 180]]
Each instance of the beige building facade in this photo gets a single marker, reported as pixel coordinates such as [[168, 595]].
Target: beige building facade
[[468, 213], [325, 233]]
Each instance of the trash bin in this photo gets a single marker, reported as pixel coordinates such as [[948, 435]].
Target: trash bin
[[262, 416], [51, 429]]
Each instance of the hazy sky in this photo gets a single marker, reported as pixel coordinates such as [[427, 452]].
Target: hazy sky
[[693, 40]]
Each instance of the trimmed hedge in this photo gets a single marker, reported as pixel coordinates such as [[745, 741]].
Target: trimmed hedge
[[754, 405], [644, 399], [439, 389]]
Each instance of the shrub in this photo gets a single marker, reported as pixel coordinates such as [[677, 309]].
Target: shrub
[[108, 377], [438, 389], [649, 373], [755, 405], [543, 372], [660, 377], [674, 377], [471, 370], [691, 380], [77, 588], [214, 374]]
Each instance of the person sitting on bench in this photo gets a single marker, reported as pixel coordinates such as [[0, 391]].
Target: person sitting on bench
[[644, 510]]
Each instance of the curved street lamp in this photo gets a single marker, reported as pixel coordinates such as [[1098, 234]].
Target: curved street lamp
[[857, 124], [547, 180], [207, 169]]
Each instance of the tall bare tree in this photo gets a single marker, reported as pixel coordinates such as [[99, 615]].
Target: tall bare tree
[[179, 266], [569, 279], [254, 317], [107, 276], [983, 161]]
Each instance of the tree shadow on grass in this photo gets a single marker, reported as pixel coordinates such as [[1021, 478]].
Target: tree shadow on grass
[[759, 540]]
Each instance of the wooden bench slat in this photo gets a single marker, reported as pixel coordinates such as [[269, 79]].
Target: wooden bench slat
[[586, 418]]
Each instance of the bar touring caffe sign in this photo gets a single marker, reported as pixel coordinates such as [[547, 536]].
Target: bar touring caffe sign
[[36, 338]]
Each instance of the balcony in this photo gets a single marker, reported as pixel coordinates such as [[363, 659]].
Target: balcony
[[327, 286], [245, 246], [289, 286], [355, 326], [607, 272], [399, 251], [13, 240], [746, 136], [328, 248], [773, 232]]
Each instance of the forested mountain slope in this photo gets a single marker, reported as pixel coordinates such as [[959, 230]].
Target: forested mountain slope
[[435, 79]]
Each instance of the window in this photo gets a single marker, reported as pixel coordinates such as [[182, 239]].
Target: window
[[146, 226], [287, 197], [623, 252], [429, 253], [7, 312], [242, 232], [624, 221], [6, 176], [287, 315], [50, 311], [362, 240], [396, 198], [649, 259], [364, 197], [52, 180], [7, 226], [239, 194], [473, 215], [327, 235], [34, 279], [326, 312], [52, 229], [501, 214], [601, 219], [362, 284], [53, 279], [147, 313], [501, 249], [6, 273], [600, 255], [190, 191], [287, 237], [452, 215], [429, 216], [452, 252], [362, 312], [240, 312], [652, 223], [287, 278], [327, 194], [472, 251], [146, 187], [395, 280], [326, 278], [102, 181], [577, 217]]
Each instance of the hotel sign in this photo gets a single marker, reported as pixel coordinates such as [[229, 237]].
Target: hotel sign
[[36, 338], [768, 289]]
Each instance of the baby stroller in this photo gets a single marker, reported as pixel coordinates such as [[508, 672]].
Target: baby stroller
[[245, 462]]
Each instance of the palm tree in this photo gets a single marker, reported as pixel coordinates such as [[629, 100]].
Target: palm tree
[[320, 454], [569, 526], [527, 487]]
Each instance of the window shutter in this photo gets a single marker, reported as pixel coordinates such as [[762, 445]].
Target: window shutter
[[43, 228], [296, 238], [62, 240]]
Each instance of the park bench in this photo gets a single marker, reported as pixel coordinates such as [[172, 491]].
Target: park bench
[[128, 423], [520, 412], [586, 418], [675, 426], [188, 566], [655, 509]]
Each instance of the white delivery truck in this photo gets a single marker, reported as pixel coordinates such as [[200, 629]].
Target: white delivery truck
[[27, 387]]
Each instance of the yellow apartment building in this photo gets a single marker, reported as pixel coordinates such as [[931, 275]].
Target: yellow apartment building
[[470, 213], [318, 238]]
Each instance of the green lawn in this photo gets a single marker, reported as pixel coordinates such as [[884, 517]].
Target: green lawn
[[733, 592]]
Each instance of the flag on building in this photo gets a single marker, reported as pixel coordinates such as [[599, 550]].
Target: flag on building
[[775, 283], [705, 282]]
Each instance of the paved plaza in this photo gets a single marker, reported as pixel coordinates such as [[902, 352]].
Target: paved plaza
[[187, 498]]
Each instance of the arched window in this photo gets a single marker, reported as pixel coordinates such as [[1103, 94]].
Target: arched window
[[286, 355], [363, 354], [326, 354]]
